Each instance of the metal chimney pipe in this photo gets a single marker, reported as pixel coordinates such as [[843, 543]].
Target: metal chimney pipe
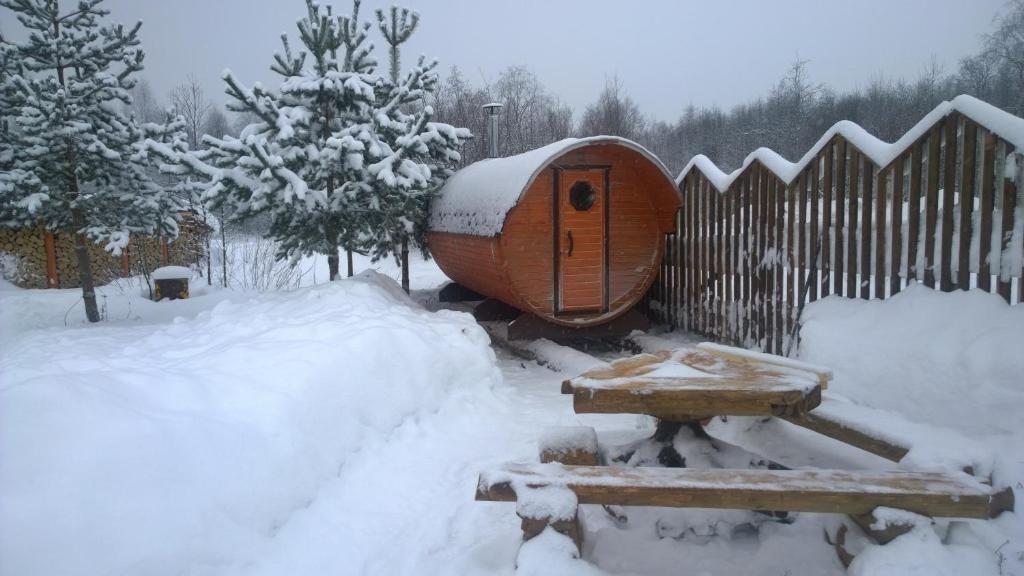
[[493, 110]]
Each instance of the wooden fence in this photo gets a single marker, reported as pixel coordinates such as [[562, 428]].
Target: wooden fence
[[856, 217]]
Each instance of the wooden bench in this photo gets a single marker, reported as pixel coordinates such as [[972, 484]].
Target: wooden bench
[[829, 491]]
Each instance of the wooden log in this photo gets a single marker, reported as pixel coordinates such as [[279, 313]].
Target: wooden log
[[825, 491]]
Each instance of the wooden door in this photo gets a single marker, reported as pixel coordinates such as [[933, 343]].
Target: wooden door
[[581, 221]]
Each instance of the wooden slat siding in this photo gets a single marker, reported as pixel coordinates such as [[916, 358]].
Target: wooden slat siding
[[746, 207], [688, 215], [853, 194], [948, 203], [896, 240], [769, 267], [868, 181], [967, 175], [844, 157], [826, 224], [932, 204], [791, 254], [914, 212], [881, 206], [726, 304], [710, 274], [814, 250], [987, 209], [1009, 207], [719, 267]]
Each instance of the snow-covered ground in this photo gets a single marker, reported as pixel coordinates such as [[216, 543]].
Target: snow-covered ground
[[340, 429]]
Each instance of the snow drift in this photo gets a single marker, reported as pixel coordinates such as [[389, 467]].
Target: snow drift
[[200, 440]]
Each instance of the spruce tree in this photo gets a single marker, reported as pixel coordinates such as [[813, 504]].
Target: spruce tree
[[74, 156]]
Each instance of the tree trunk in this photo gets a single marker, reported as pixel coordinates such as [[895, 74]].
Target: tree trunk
[[350, 267], [92, 312], [332, 265], [405, 265], [223, 250]]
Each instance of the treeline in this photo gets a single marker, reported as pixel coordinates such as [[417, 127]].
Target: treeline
[[789, 119]]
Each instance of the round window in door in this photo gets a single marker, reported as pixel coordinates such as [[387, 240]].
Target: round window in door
[[582, 196]]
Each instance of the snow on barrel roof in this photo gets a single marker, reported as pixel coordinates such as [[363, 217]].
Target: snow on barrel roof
[[1005, 125], [476, 199]]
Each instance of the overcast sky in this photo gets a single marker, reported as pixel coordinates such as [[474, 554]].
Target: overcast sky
[[667, 53]]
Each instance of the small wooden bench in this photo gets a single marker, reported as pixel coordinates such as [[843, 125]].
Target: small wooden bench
[[829, 491]]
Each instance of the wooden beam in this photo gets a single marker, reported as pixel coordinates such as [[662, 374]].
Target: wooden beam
[[826, 491], [847, 434]]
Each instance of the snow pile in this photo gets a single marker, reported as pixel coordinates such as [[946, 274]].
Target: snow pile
[[947, 359], [199, 444]]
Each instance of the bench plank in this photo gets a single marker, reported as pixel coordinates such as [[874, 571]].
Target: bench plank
[[829, 491], [843, 431]]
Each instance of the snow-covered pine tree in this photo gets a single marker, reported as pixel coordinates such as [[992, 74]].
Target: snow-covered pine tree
[[76, 168], [333, 159], [423, 152], [302, 161]]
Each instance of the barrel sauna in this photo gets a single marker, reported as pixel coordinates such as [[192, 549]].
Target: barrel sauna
[[572, 233]]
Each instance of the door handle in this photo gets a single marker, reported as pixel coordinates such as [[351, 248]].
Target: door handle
[[570, 242]]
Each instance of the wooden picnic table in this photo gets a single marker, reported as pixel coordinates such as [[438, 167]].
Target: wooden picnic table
[[693, 384]]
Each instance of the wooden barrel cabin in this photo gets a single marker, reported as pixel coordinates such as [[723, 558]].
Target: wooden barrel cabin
[[571, 233]]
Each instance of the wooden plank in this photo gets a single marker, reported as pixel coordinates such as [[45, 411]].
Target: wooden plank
[[728, 253], [778, 265], [865, 231], [968, 172], [948, 203], [814, 249], [1004, 270], [825, 491], [819, 422], [987, 210], [843, 158], [881, 203], [854, 195], [691, 252], [826, 223], [747, 209], [761, 222], [896, 227], [713, 251], [771, 289], [803, 265], [791, 254], [914, 212], [680, 264], [570, 445], [932, 204]]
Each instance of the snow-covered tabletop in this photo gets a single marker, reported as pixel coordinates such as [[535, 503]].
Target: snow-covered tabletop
[[694, 383]]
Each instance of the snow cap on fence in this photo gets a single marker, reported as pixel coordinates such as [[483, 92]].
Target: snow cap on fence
[[881, 153]]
